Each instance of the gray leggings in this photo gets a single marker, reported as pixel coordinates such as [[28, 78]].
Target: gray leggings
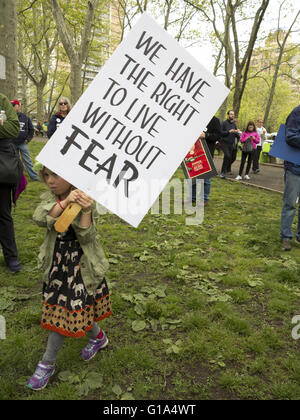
[[55, 341]]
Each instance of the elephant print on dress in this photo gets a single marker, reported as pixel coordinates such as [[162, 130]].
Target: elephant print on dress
[[70, 281], [79, 288], [62, 300], [74, 255], [54, 269], [48, 296], [58, 257], [75, 303], [57, 283]]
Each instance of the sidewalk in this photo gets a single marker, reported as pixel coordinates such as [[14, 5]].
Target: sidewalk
[[270, 176]]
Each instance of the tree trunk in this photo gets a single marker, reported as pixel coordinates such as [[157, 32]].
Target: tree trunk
[[24, 77], [223, 110], [75, 81], [242, 67], [272, 90], [229, 61], [42, 44], [8, 48], [76, 54], [40, 114]]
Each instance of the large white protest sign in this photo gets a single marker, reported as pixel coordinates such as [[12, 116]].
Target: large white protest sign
[[132, 127]]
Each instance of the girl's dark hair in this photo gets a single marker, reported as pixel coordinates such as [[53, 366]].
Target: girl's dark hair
[[41, 173], [251, 123]]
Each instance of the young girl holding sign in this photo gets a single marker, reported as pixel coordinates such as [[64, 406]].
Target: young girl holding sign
[[75, 292]]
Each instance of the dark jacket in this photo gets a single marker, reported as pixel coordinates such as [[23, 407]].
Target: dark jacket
[[26, 129], [54, 122], [293, 137], [227, 137], [213, 134]]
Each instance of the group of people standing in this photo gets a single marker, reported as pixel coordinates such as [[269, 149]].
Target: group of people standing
[[251, 140], [229, 137]]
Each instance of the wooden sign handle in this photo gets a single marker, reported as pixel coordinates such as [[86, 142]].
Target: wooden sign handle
[[67, 217]]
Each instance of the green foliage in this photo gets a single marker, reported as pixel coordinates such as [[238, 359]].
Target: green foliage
[[255, 99], [37, 31], [84, 382], [206, 316]]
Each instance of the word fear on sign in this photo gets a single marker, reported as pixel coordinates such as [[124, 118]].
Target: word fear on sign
[[135, 123]]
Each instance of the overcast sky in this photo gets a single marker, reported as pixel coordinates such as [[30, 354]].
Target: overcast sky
[[204, 54]]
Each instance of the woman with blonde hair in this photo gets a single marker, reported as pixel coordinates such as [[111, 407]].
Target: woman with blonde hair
[[63, 108]]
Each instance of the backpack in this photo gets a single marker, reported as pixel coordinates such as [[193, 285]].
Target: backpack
[[247, 146]]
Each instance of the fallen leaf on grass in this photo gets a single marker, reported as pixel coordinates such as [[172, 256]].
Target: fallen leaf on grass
[[255, 283], [138, 325], [116, 389]]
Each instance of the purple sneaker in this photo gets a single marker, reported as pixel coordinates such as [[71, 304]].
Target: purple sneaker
[[93, 347], [41, 376], [14, 266]]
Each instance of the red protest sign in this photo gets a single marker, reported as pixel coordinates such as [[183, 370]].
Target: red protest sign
[[198, 163]]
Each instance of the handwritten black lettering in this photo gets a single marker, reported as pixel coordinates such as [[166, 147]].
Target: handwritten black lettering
[[149, 46]]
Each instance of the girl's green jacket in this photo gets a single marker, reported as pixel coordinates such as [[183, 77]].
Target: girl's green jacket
[[93, 263]]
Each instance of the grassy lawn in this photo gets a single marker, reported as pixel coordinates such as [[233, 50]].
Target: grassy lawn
[[199, 312]]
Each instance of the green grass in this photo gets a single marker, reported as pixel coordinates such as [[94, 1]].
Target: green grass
[[216, 299]]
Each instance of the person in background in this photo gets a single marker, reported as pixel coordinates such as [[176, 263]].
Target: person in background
[[45, 128], [39, 129], [292, 183], [64, 107], [235, 147], [262, 132], [211, 135], [9, 129], [250, 134], [229, 133], [21, 142]]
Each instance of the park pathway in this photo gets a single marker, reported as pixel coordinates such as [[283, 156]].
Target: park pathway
[[270, 176]]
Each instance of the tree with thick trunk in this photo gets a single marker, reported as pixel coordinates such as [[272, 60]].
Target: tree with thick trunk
[[76, 53], [242, 65], [8, 48], [37, 31]]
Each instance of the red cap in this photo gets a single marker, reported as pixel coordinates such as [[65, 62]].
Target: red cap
[[15, 102]]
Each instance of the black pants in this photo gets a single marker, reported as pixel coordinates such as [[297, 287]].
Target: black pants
[[7, 233], [227, 150], [243, 161], [233, 157], [256, 155]]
